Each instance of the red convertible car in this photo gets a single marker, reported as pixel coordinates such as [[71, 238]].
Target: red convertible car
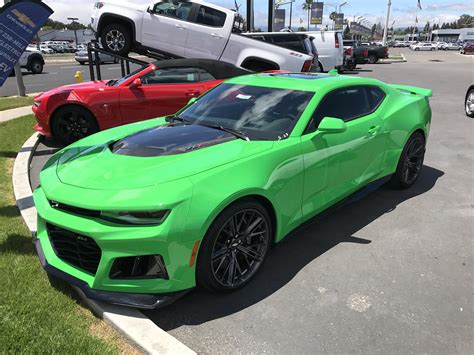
[[71, 112]]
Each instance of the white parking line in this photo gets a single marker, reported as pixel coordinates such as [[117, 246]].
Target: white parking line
[[117, 68], [71, 66]]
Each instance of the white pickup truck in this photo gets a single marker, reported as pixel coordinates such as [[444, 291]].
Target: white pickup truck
[[188, 29]]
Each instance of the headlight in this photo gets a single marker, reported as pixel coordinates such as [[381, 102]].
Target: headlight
[[99, 5], [136, 217], [36, 103]]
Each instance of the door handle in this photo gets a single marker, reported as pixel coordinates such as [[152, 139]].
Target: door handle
[[374, 130], [216, 35], [181, 27]]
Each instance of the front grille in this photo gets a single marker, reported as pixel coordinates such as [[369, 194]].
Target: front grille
[[74, 210], [76, 249]]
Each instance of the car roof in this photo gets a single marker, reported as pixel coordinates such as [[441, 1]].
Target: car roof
[[303, 81], [218, 69]]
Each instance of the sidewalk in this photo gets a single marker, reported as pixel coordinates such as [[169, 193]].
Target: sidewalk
[[9, 115]]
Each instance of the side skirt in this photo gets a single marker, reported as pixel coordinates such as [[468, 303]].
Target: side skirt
[[354, 197]]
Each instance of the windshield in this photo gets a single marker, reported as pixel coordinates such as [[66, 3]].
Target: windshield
[[126, 77], [261, 113]]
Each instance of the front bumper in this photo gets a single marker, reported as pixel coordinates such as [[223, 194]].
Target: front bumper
[[42, 125], [136, 300]]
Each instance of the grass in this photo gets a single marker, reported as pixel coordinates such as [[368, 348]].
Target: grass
[[8, 103], [36, 317]]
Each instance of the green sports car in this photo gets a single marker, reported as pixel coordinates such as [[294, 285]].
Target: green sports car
[[140, 214]]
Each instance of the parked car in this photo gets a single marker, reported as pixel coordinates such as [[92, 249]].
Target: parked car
[[469, 102], [71, 112], [141, 214], [295, 41], [468, 48], [45, 49], [423, 47], [31, 60], [361, 53], [182, 28], [330, 49], [375, 52], [450, 46], [82, 57]]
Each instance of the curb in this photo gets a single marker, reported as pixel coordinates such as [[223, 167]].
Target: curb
[[130, 322]]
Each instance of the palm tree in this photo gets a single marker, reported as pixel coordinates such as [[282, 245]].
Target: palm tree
[[307, 6]]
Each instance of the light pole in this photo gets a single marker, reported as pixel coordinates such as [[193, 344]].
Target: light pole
[[385, 32], [72, 19], [282, 2], [341, 5]]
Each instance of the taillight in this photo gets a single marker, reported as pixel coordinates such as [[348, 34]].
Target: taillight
[[386, 50], [349, 51], [336, 40], [307, 66], [366, 53]]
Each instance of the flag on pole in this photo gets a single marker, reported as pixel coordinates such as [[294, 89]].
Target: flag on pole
[[419, 4]]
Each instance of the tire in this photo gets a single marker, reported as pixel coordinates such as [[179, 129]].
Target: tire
[[224, 253], [71, 123], [36, 66], [373, 59], [417, 49], [469, 102], [432, 49], [82, 63], [116, 39], [410, 163]]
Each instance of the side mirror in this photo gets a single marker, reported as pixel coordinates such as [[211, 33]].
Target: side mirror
[[332, 125], [136, 83], [150, 9]]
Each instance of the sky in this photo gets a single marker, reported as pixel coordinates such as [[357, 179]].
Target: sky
[[403, 11]]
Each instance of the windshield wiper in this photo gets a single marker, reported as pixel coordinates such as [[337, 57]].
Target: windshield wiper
[[234, 132], [176, 118]]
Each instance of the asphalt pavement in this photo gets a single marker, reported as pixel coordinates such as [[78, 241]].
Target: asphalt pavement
[[389, 274]]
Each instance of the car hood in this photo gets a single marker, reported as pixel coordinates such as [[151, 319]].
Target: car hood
[[74, 87], [153, 156]]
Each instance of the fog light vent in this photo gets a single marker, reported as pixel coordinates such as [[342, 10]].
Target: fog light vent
[[139, 267]]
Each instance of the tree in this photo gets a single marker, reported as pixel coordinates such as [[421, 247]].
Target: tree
[[427, 27], [465, 20], [307, 6], [347, 33]]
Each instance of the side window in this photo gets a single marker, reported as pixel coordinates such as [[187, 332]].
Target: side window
[[205, 76], [346, 104], [210, 17], [376, 96], [171, 76], [178, 9]]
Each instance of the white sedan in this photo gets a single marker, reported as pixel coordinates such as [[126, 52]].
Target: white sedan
[[423, 47]]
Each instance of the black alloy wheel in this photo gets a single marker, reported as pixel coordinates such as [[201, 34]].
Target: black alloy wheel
[[72, 123], [235, 247], [469, 104], [410, 163]]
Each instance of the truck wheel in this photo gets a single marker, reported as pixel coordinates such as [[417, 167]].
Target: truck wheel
[[36, 66], [116, 39], [373, 59]]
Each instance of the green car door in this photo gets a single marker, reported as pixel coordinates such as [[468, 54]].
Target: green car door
[[347, 137]]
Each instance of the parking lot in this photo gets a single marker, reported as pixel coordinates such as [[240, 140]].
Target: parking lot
[[391, 273]]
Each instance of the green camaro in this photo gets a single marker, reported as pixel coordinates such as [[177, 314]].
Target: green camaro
[[140, 214]]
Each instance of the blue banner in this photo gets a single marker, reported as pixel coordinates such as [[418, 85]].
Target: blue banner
[[20, 20]]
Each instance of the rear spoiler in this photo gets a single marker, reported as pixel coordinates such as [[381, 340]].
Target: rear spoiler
[[414, 90]]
